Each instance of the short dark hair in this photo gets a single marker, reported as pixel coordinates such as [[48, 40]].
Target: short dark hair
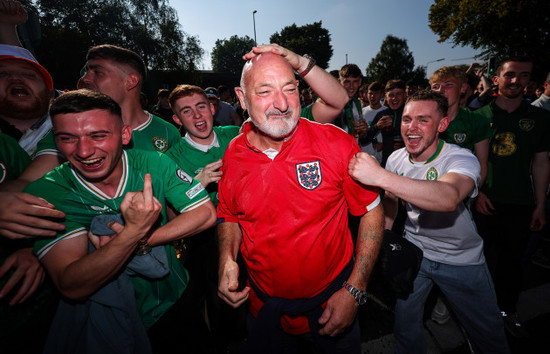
[[430, 95], [376, 86], [520, 59], [119, 55], [393, 84], [350, 70], [83, 100]]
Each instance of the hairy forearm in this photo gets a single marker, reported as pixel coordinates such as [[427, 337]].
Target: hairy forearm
[[371, 230], [186, 224]]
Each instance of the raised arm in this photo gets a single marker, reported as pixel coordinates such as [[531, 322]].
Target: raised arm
[[333, 96], [442, 195], [12, 13]]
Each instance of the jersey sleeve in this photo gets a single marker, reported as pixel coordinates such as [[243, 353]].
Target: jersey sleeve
[[482, 127], [53, 194], [182, 191], [13, 159], [46, 146], [465, 163], [173, 135], [360, 198]]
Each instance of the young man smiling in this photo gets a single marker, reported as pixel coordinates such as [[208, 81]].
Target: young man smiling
[[102, 179], [434, 178]]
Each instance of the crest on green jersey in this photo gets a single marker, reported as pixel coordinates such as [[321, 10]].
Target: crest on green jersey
[[160, 143], [432, 174], [3, 172], [526, 124], [460, 138]]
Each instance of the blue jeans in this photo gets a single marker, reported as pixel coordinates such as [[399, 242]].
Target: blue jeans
[[470, 293]]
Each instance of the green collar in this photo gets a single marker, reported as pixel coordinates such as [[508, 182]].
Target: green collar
[[434, 156]]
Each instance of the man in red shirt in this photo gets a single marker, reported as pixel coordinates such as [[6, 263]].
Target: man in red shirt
[[284, 200]]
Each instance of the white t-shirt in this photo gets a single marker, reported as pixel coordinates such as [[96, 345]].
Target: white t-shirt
[[445, 237]]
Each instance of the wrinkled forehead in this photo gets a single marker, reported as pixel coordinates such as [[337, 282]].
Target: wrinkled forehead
[[265, 67]]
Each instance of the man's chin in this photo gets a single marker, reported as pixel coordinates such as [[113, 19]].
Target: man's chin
[[277, 133]]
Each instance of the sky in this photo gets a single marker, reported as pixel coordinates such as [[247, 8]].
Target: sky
[[357, 27]]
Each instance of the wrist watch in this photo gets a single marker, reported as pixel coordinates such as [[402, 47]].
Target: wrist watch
[[359, 295], [310, 66]]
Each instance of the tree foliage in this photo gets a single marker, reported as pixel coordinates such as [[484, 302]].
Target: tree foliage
[[497, 27], [148, 27], [310, 39], [227, 55], [394, 61]]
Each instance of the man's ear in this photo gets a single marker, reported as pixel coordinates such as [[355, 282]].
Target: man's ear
[[126, 134], [177, 120], [240, 94], [443, 124], [131, 81]]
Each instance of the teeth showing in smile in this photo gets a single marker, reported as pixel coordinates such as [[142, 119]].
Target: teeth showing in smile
[[91, 162], [19, 91], [200, 124], [414, 136]]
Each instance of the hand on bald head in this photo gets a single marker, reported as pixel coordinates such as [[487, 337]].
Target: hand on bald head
[[260, 61]]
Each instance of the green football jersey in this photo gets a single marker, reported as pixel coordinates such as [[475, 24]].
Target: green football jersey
[[516, 138], [467, 129], [81, 201], [154, 134], [193, 160], [13, 159]]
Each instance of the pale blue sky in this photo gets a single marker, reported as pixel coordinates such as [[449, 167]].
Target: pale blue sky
[[357, 27]]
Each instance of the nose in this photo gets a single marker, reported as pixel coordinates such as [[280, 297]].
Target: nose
[[84, 149], [280, 101]]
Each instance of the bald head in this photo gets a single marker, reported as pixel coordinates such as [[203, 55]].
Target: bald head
[[261, 61]]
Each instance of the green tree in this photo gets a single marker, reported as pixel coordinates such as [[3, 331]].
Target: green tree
[[497, 27], [227, 55], [394, 61], [310, 39], [148, 27]]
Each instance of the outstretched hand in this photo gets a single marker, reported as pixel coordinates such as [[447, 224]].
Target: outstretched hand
[[23, 215]]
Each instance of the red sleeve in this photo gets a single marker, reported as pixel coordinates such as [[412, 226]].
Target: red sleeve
[[360, 198]]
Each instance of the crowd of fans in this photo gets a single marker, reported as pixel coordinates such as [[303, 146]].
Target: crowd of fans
[[74, 171]]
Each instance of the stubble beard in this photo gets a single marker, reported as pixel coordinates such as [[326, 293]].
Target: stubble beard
[[32, 110]]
